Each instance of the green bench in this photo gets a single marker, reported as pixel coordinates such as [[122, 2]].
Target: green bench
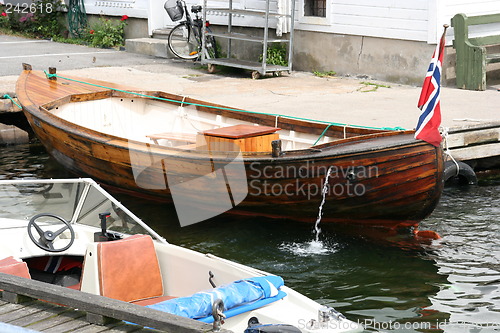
[[472, 53]]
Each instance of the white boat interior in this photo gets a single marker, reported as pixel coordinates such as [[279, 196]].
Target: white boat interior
[[141, 119], [74, 234]]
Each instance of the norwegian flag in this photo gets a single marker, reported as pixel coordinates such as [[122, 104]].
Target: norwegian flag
[[429, 101]]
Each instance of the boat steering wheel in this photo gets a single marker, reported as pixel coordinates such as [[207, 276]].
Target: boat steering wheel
[[47, 238]]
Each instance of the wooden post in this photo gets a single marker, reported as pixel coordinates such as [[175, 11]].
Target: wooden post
[[276, 148], [52, 70], [98, 319], [15, 297]]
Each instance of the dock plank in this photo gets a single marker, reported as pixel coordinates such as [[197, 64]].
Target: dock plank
[[95, 304], [63, 317], [69, 326], [19, 314], [9, 307], [48, 311], [119, 327], [122, 327], [92, 329]]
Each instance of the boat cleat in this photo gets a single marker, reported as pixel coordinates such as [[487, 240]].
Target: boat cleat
[[254, 326], [328, 318]]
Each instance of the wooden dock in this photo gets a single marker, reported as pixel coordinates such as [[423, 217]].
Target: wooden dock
[[21, 306], [42, 316], [477, 145]]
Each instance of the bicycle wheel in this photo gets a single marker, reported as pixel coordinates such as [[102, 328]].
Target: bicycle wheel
[[210, 46], [182, 42]]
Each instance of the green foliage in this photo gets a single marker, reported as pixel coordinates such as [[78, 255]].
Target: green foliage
[[21, 23], [42, 18], [276, 55], [4, 19], [107, 33], [49, 18], [371, 86], [324, 74]]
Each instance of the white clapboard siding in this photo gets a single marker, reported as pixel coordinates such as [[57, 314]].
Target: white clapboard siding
[[472, 8], [131, 8], [417, 20], [242, 20], [382, 18]]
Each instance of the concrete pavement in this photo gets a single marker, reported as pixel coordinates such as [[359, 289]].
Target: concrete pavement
[[338, 99]]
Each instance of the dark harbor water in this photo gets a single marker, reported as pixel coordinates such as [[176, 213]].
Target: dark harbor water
[[386, 282]]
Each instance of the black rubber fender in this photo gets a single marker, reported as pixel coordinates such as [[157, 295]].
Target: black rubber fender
[[464, 176]]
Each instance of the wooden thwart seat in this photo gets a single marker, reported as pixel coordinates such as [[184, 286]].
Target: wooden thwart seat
[[473, 53], [129, 271], [248, 138], [183, 137]]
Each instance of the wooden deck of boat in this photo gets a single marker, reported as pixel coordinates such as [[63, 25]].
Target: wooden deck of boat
[[43, 90]]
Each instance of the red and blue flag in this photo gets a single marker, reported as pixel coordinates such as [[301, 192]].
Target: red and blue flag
[[429, 101]]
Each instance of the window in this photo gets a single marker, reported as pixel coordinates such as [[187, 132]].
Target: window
[[315, 8]]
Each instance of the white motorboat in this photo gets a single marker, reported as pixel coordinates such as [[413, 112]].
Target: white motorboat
[[71, 232]]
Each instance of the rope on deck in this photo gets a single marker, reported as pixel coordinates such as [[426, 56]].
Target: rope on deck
[[329, 124]]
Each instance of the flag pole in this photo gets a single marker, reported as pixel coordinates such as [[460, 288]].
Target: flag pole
[[427, 128], [445, 26]]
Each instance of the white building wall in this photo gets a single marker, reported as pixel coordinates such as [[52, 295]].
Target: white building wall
[[472, 8], [412, 20], [220, 18], [382, 18], [131, 8]]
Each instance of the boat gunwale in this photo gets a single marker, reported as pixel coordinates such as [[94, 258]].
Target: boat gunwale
[[316, 152]]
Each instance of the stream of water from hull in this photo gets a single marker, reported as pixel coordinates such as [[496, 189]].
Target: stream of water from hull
[[314, 246]]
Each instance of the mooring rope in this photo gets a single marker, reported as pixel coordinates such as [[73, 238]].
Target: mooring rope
[[322, 134], [48, 75], [12, 100], [447, 151]]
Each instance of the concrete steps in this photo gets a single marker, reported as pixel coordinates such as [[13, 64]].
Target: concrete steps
[[155, 46]]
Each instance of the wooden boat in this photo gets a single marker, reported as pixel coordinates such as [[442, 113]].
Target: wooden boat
[[209, 159], [72, 233]]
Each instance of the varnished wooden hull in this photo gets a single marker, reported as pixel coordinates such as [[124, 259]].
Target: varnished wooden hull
[[376, 178]]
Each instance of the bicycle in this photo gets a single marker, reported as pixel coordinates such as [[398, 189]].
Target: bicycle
[[185, 39]]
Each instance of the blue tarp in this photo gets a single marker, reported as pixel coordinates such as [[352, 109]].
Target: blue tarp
[[8, 328], [233, 295], [246, 307]]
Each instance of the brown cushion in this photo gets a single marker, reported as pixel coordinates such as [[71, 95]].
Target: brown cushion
[[128, 269], [12, 266], [8, 261]]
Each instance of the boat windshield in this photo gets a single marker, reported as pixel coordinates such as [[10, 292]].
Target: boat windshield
[[78, 201]]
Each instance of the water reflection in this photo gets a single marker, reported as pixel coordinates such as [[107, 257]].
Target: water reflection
[[469, 255]]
